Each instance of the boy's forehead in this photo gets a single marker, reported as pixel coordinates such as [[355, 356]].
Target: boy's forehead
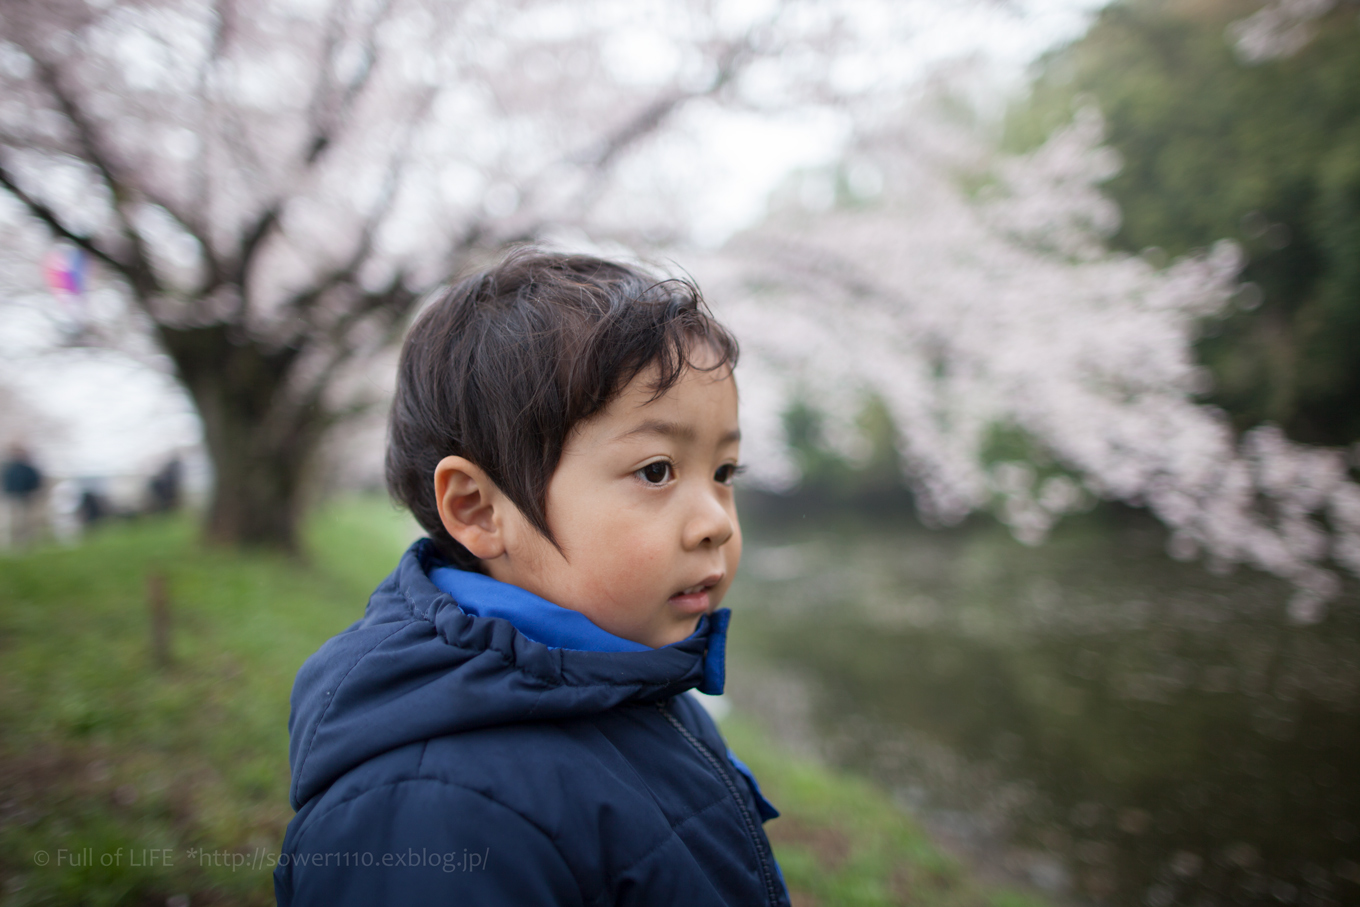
[[700, 403], [680, 430], [699, 375]]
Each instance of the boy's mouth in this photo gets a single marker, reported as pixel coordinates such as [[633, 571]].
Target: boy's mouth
[[695, 599]]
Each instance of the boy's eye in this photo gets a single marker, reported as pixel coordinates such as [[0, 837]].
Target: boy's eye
[[726, 473], [655, 473]]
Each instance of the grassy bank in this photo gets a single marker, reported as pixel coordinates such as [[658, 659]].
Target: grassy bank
[[124, 780]]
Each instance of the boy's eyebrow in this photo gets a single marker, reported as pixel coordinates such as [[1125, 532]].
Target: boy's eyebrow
[[678, 430]]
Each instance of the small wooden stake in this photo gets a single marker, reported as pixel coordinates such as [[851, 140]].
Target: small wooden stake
[[159, 602]]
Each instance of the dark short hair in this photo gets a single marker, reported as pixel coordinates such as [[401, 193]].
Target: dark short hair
[[502, 366]]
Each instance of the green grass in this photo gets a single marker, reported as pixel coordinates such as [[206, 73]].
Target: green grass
[[101, 749], [138, 782]]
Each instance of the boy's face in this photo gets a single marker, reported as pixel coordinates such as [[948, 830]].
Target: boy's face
[[641, 505]]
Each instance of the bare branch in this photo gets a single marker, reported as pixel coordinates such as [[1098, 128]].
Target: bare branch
[[600, 160], [326, 122], [139, 271], [265, 224], [373, 221], [17, 142], [321, 94], [224, 121], [328, 114], [223, 12], [733, 58], [395, 302], [54, 223]]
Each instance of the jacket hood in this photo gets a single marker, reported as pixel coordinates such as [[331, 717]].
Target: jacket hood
[[417, 666]]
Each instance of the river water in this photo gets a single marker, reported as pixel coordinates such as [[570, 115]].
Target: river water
[[1090, 715]]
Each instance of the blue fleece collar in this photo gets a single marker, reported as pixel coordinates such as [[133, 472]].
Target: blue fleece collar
[[537, 618], [562, 628]]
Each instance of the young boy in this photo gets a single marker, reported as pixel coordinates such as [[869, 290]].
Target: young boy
[[507, 723]]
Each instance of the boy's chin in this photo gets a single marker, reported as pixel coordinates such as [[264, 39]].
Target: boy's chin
[[675, 632]]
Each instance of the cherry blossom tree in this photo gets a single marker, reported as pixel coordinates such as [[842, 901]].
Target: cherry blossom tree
[[272, 187], [1279, 28], [1003, 312]]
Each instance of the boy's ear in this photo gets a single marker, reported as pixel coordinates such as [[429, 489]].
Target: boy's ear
[[467, 501]]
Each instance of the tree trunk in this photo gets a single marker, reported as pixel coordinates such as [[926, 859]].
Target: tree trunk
[[257, 492], [261, 443]]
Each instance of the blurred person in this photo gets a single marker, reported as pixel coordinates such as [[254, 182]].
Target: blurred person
[[92, 508], [163, 489], [23, 491], [508, 722]]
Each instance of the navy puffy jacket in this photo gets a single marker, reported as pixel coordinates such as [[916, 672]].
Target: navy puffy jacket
[[441, 757]]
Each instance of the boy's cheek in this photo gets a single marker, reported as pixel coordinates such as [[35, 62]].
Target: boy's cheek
[[732, 551], [618, 583]]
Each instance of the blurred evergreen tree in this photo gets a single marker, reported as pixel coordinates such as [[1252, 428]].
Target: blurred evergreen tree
[[873, 481], [1265, 153]]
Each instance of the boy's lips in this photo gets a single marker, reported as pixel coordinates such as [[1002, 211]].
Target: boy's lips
[[695, 599]]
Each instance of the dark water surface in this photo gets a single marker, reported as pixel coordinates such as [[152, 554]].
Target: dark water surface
[[1116, 726]]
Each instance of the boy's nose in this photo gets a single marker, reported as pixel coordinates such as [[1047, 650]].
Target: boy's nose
[[710, 524]]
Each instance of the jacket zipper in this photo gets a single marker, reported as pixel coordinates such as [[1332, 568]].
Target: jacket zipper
[[752, 829]]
